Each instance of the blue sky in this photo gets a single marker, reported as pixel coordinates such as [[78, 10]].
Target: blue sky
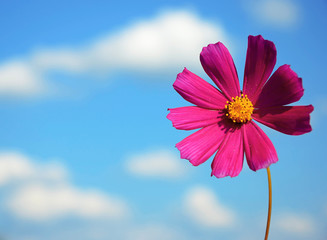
[[86, 151]]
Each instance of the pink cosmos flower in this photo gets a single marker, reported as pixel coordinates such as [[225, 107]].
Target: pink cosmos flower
[[225, 115]]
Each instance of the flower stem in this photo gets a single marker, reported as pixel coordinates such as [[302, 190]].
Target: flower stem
[[269, 204]]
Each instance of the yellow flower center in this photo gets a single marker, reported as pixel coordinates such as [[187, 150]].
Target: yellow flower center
[[239, 109]]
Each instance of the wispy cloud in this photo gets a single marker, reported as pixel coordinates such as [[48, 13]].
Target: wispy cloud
[[157, 164], [43, 192], [276, 13], [170, 41], [204, 208], [294, 223]]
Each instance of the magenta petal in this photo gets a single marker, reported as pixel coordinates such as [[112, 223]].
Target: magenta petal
[[219, 65], [292, 120], [189, 118], [229, 158], [259, 150], [260, 62], [201, 145], [284, 87], [197, 91]]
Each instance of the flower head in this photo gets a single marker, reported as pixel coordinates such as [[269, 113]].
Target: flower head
[[225, 115]]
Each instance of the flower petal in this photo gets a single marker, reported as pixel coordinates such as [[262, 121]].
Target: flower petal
[[189, 118], [284, 87], [219, 65], [260, 62], [201, 145], [229, 158], [197, 91], [292, 120], [259, 150]]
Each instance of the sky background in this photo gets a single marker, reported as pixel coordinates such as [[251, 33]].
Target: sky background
[[86, 151]]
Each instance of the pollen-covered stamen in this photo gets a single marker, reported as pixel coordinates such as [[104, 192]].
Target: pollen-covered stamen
[[239, 109]]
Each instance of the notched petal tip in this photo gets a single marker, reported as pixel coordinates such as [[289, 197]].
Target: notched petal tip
[[291, 120], [282, 88], [219, 66], [197, 91], [192, 117], [201, 145], [259, 151], [259, 38], [169, 114], [217, 175], [260, 62], [229, 158], [310, 110]]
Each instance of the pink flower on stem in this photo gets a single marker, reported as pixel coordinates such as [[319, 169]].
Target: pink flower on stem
[[225, 115]]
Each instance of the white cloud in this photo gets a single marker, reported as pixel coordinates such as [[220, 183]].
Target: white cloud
[[295, 223], [203, 206], [172, 39], [159, 164], [278, 13], [168, 42], [19, 78], [42, 192], [60, 59], [41, 202], [15, 167]]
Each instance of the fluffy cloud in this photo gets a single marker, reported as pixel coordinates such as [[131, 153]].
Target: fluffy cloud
[[293, 223], [278, 13], [40, 202], [42, 192], [159, 164], [172, 39], [168, 42], [202, 205], [16, 167], [19, 78]]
